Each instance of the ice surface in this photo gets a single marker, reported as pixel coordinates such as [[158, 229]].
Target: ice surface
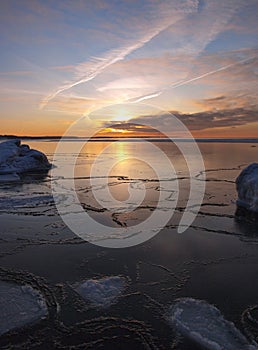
[[21, 201], [102, 292], [19, 305], [16, 159], [247, 188], [204, 324]]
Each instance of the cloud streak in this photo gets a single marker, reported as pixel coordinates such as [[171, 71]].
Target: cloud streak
[[100, 64], [212, 72], [87, 72], [189, 81], [214, 18]]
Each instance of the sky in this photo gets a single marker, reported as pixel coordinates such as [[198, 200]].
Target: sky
[[123, 62]]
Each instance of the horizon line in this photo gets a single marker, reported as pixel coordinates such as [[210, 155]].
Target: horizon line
[[58, 137]]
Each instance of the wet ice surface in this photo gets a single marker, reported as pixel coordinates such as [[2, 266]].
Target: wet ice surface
[[20, 305], [21, 201], [218, 206], [102, 292], [205, 324], [217, 249]]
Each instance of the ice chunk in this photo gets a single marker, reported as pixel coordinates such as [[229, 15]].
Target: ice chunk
[[16, 159], [102, 292], [247, 188], [9, 150], [19, 305], [204, 324]]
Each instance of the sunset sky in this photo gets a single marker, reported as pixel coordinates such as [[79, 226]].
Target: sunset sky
[[197, 59]]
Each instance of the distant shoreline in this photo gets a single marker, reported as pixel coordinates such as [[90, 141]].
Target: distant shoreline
[[127, 139]]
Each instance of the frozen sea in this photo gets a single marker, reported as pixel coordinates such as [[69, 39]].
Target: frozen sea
[[110, 298]]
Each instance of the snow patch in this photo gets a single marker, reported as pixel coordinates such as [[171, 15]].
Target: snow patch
[[102, 292], [247, 188], [17, 159], [20, 305], [204, 324]]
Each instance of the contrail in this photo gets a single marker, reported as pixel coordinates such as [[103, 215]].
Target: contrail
[[147, 97], [185, 82], [211, 72], [114, 56], [99, 64]]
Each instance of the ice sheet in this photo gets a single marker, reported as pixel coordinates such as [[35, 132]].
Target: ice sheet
[[204, 324], [17, 159], [102, 292], [19, 305], [247, 188]]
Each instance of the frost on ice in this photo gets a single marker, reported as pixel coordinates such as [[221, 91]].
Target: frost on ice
[[204, 324], [17, 159], [247, 188], [102, 292], [19, 305]]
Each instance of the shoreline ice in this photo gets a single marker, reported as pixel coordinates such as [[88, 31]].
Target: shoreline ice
[[247, 188], [17, 159]]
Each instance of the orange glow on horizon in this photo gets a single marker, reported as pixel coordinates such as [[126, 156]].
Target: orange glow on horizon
[[43, 129]]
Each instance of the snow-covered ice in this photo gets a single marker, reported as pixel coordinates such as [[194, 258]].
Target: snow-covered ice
[[247, 188], [19, 305], [16, 159], [102, 292], [204, 324]]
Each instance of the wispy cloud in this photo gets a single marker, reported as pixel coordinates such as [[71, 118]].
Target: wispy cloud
[[89, 70], [188, 39], [201, 29], [73, 104], [239, 99], [189, 81], [204, 26], [212, 72], [99, 64]]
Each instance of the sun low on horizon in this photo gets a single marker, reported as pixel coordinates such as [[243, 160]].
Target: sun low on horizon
[[128, 174], [195, 59]]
